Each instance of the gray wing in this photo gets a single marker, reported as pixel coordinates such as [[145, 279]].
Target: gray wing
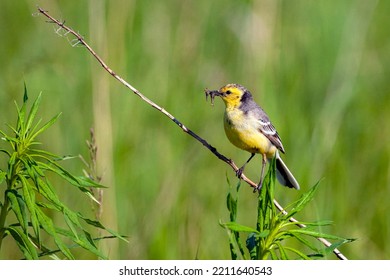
[[267, 128]]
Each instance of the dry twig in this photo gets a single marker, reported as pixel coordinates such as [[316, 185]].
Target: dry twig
[[80, 41]]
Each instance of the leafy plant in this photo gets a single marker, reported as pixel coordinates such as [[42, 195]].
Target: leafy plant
[[273, 229], [31, 197]]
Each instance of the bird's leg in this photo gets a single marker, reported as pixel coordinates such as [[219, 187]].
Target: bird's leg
[[264, 162], [241, 169]]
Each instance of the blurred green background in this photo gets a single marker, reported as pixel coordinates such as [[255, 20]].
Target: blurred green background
[[320, 69]]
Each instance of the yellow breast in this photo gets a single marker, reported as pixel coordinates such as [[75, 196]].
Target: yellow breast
[[243, 132]]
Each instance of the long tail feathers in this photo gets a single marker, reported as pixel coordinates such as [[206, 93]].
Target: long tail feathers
[[284, 175]]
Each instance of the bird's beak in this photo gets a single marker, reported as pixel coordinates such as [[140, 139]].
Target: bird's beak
[[212, 94]]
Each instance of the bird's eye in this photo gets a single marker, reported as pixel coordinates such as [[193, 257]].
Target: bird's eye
[[228, 92]]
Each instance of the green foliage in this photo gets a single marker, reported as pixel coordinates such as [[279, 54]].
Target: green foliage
[[274, 229], [30, 196]]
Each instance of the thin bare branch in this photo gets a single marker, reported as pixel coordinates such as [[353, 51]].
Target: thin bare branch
[[79, 40]]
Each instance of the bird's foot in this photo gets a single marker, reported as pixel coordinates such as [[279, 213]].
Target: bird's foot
[[239, 172], [258, 188]]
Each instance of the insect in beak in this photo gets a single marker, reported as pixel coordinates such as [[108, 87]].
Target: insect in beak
[[212, 94]]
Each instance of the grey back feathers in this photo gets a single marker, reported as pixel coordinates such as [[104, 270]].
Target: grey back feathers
[[249, 106]]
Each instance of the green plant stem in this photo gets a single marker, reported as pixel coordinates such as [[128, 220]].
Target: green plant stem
[[4, 207], [263, 251], [3, 215]]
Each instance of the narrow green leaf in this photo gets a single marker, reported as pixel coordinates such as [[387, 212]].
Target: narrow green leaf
[[261, 208], [48, 226], [303, 201], [239, 244], [44, 154], [283, 255], [19, 208], [37, 170], [45, 126], [47, 206], [23, 242], [11, 164], [329, 250], [88, 183], [57, 169], [90, 195], [233, 226], [234, 251], [273, 255], [66, 233], [46, 190], [25, 95], [32, 132], [282, 235], [266, 208], [14, 130], [44, 250], [20, 123], [71, 218], [28, 167], [231, 200], [263, 234], [74, 181], [314, 233], [33, 112], [231, 204], [72, 221], [97, 224], [315, 256], [29, 198], [305, 242], [83, 241], [11, 140], [5, 152], [299, 253], [310, 224], [89, 238]]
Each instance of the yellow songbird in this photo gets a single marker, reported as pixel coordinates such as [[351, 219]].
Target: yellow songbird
[[249, 128]]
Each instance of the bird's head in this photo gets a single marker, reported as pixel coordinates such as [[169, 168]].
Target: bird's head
[[231, 94]]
